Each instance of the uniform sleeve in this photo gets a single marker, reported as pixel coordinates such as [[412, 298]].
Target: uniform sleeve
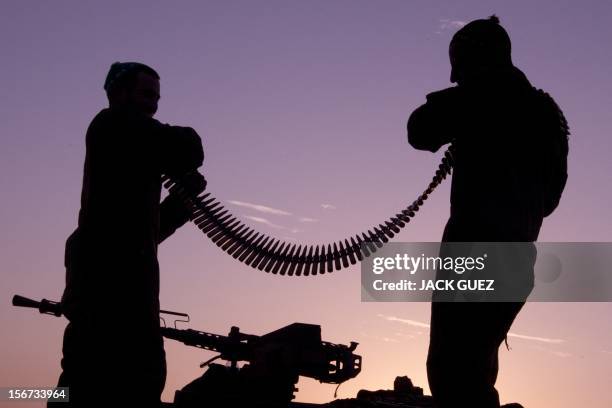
[[175, 150], [554, 152], [126, 155], [435, 123], [178, 150]]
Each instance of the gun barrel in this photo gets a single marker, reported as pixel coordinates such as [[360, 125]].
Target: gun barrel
[[22, 301], [193, 338], [235, 347], [44, 306]]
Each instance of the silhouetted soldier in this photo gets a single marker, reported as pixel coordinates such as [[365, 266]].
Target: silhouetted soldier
[[508, 175], [113, 349]]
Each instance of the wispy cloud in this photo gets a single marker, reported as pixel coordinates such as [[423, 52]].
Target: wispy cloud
[[415, 323], [556, 353], [408, 336], [409, 322], [273, 211], [265, 222], [258, 207], [328, 206], [379, 338], [561, 354], [446, 24], [535, 338], [270, 224]]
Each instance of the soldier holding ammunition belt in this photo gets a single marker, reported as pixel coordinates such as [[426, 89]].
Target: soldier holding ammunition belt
[[510, 168], [113, 350]]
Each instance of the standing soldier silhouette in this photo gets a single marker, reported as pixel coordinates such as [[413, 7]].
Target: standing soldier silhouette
[[113, 351], [510, 168]]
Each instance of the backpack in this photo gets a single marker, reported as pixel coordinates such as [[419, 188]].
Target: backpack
[[554, 150]]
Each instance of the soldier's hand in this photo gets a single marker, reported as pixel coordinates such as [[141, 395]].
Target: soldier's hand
[[193, 182], [184, 151], [193, 146]]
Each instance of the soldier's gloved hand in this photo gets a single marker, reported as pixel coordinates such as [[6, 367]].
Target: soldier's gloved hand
[[193, 183], [195, 152], [186, 151]]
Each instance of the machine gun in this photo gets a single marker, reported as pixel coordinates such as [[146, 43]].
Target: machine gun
[[272, 365], [274, 362]]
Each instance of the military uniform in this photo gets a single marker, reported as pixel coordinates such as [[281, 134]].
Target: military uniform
[[113, 350], [497, 194]]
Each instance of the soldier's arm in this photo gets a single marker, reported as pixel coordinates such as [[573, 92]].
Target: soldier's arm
[[126, 141], [173, 214], [180, 154], [177, 152], [435, 123]]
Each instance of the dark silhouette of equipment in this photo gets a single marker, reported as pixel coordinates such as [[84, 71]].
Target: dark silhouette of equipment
[[273, 255], [44, 306], [274, 361], [272, 365]]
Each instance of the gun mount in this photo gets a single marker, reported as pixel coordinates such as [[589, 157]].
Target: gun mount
[[274, 362]]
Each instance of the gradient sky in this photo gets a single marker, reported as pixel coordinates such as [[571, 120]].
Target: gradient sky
[[302, 108]]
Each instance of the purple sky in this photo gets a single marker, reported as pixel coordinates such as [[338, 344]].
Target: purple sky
[[299, 104]]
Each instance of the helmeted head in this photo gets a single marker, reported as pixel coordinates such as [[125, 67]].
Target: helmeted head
[[478, 50], [134, 86]]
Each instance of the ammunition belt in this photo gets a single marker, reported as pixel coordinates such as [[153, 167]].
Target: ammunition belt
[[269, 254]]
